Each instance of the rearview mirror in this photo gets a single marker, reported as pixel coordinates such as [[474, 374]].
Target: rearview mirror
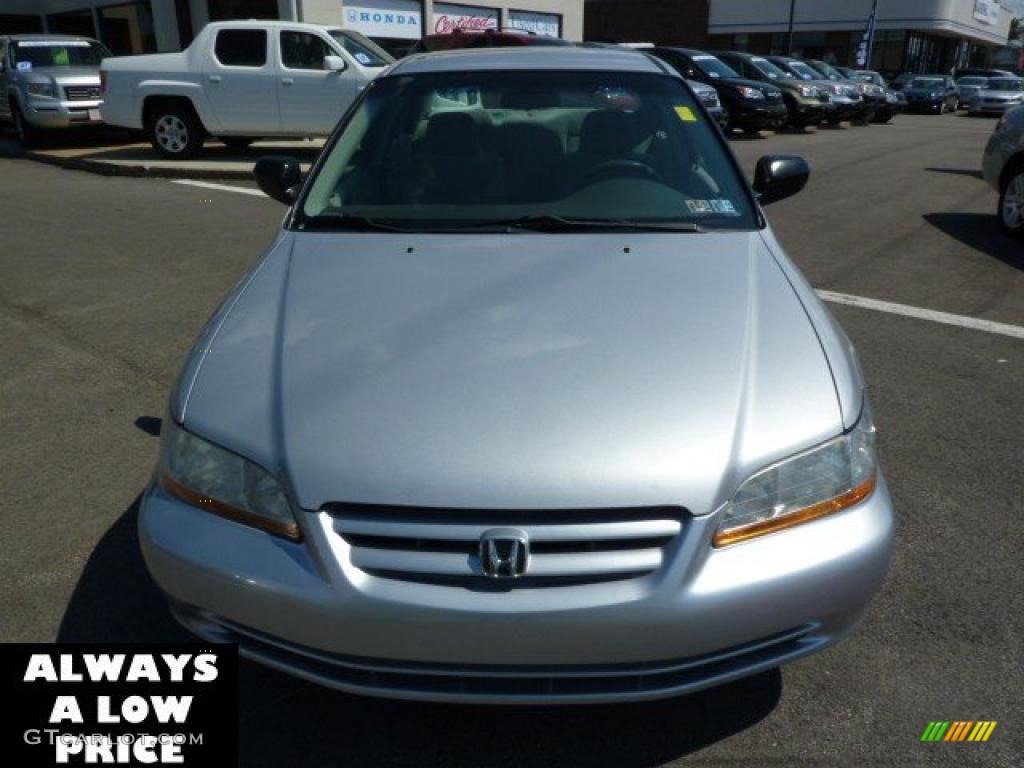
[[780, 176], [279, 177], [334, 63]]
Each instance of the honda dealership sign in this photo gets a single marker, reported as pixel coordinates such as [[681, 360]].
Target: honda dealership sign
[[449, 17], [401, 19]]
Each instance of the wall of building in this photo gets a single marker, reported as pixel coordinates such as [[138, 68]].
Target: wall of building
[[954, 17], [664, 22]]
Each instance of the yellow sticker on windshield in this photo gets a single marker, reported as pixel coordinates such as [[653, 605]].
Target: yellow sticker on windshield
[[686, 114]]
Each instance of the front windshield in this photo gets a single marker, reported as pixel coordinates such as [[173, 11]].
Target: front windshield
[[30, 54], [362, 48], [1005, 84], [462, 150], [978, 81], [803, 70], [713, 67], [926, 82], [829, 71], [767, 68]]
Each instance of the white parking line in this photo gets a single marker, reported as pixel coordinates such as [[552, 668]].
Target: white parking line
[[223, 187], [975, 324], [932, 315]]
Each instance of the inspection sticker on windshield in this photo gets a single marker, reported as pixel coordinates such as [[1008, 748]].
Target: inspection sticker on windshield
[[701, 207], [722, 206], [686, 114], [362, 58]]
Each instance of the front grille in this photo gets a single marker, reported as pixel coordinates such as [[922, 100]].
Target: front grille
[[511, 682], [567, 548], [82, 92], [773, 96]]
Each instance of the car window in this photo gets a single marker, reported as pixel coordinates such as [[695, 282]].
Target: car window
[[303, 50], [1005, 84], [927, 82], [973, 81], [241, 47], [465, 148], [713, 67], [31, 54], [803, 70], [362, 49], [769, 69]]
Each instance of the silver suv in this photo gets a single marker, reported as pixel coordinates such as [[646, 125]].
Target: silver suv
[[49, 81], [1003, 166]]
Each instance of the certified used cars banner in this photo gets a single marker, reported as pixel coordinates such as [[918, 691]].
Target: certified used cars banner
[[119, 705]]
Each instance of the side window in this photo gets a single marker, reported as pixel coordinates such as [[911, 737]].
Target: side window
[[302, 50], [241, 47]]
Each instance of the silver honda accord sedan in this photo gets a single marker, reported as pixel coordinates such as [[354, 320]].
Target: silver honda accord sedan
[[524, 404]]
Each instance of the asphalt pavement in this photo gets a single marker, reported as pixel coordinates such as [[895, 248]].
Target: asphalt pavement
[[104, 282]]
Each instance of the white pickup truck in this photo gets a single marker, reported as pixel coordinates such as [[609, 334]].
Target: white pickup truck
[[238, 81]]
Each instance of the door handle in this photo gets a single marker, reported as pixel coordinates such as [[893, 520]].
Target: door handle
[[287, 81], [214, 78]]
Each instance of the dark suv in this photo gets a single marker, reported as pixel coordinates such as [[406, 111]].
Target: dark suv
[[808, 104], [750, 104]]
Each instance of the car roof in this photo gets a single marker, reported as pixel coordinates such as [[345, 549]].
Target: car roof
[[527, 58]]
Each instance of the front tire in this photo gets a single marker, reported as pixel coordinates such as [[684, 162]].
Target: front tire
[[175, 132], [1011, 202], [28, 135]]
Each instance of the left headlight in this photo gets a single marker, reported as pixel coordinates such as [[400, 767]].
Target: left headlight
[[818, 482], [213, 478], [42, 89], [749, 93]]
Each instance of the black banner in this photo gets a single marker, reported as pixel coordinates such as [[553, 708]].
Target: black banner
[[154, 704]]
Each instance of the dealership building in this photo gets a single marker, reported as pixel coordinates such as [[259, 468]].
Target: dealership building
[[146, 26], [914, 35]]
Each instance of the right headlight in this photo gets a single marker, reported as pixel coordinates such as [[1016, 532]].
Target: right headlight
[[41, 89], [818, 482], [219, 481]]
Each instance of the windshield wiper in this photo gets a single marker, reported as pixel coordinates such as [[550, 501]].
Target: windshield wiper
[[346, 223], [551, 223]]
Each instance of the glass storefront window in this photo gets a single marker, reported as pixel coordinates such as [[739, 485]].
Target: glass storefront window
[[225, 10], [72, 23]]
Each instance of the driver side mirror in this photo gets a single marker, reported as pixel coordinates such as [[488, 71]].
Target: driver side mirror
[[780, 176], [279, 177], [334, 63]]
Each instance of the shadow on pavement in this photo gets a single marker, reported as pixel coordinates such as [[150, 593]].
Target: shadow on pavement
[[284, 721], [958, 172], [980, 232]]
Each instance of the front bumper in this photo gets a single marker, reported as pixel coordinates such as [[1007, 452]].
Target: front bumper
[[924, 105], [986, 108], [705, 617], [54, 114], [752, 116]]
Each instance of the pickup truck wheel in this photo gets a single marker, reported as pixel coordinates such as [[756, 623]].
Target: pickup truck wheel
[[175, 132], [28, 135], [236, 142], [1011, 202]]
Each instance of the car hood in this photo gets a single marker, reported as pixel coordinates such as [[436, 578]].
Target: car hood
[[513, 371], [62, 73], [761, 85], [924, 91]]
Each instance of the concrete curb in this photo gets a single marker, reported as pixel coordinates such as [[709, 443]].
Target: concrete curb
[[103, 168]]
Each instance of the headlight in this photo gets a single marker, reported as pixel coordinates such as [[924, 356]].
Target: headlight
[[222, 482], [749, 93], [837, 90], [41, 89], [937, 95], [812, 484], [807, 90]]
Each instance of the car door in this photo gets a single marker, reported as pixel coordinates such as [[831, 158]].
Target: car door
[[312, 96], [239, 82]]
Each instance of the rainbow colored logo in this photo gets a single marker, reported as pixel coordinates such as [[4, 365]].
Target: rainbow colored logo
[[958, 730]]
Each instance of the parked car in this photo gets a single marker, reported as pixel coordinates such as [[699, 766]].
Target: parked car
[[902, 80], [241, 80], [807, 103], [708, 97], [895, 101], [49, 82], [1003, 168], [750, 105], [486, 38], [931, 93], [981, 72], [432, 447], [968, 88], [873, 95], [850, 105], [1001, 94]]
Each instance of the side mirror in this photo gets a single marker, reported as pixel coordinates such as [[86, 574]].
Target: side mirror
[[780, 176], [279, 177], [334, 63]]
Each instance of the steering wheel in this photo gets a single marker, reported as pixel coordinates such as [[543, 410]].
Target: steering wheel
[[612, 169]]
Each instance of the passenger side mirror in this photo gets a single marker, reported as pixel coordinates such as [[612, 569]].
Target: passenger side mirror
[[780, 176], [334, 63], [279, 177]]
